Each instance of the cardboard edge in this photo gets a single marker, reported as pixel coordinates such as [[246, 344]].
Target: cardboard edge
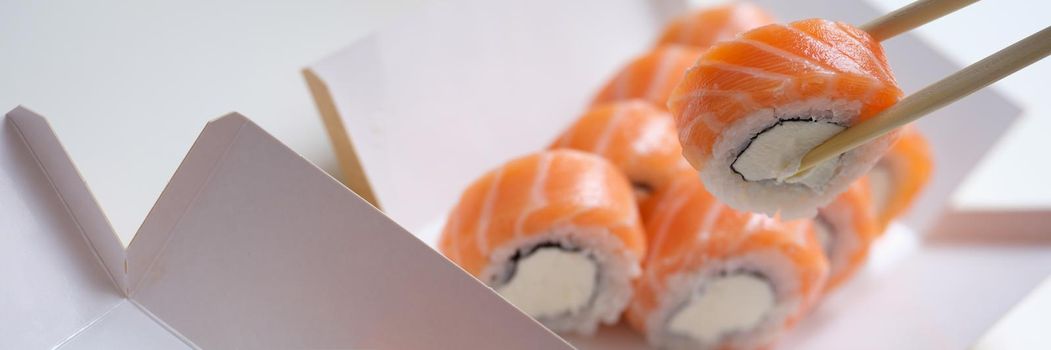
[[182, 190], [73, 192], [353, 171], [993, 227]]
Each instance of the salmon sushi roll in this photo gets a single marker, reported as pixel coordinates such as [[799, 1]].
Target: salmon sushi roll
[[638, 138], [900, 176], [650, 77], [556, 233], [717, 278], [705, 27], [751, 107], [846, 229]]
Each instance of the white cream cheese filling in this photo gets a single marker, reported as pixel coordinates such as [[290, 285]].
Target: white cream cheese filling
[[551, 281], [736, 302], [775, 153]]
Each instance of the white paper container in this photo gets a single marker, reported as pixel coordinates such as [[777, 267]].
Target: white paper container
[[421, 108], [249, 247]]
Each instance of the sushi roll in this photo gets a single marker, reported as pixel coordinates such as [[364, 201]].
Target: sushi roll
[[900, 176], [752, 107], [650, 77], [716, 278], [556, 233], [846, 229], [705, 27], [636, 137]]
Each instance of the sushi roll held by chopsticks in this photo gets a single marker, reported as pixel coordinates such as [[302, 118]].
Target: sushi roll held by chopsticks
[[784, 117], [752, 107], [556, 233], [717, 278]]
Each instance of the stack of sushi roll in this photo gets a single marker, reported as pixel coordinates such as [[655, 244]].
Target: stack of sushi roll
[[670, 200], [751, 107]]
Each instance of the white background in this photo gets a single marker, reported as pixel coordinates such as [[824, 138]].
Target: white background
[[129, 84]]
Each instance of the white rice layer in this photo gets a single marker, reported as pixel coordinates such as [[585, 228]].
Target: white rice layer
[[686, 287], [616, 269], [791, 200]]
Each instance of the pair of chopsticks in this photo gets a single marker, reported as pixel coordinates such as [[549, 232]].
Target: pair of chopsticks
[[937, 95]]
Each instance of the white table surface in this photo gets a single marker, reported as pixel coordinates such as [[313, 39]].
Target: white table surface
[[128, 85]]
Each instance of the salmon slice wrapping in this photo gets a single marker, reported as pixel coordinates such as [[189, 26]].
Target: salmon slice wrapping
[[651, 76], [638, 138]]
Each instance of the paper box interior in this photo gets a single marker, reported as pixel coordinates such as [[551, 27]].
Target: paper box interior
[[424, 106], [249, 247]]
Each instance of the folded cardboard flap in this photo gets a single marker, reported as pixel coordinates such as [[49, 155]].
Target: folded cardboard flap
[[249, 246], [179, 194], [74, 193], [54, 283], [275, 251]]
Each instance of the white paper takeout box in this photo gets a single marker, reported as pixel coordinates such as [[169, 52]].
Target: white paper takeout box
[[424, 106], [249, 247]]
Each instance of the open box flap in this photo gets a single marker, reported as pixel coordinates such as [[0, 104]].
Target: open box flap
[[254, 248], [426, 99], [71, 189], [177, 196], [61, 264], [261, 249]]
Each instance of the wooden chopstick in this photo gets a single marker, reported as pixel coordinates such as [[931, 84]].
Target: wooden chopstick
[[956, 86], [911, 16]]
